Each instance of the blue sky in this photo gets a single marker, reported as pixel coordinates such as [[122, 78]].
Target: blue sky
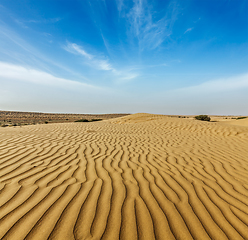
[[109, 56]]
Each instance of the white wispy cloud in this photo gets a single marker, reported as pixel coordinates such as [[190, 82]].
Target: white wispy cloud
[[127, 78], [76, 49], [105, 65], [20, 73], [92, 60], [218, 96], [26, 23], [19, 50], [28, 89], [150, 33], [23, 23], [188, 30], [215, 86], [221, 85], [100, 63], [120, 4], [20, 23], [227, 95]]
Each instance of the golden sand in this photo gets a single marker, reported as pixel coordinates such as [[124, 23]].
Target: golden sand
[[137, 177]]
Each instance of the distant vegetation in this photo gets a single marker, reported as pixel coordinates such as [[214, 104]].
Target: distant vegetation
[[203, 117], [82, 120], [86, 120], [30, 118], [241, 118]]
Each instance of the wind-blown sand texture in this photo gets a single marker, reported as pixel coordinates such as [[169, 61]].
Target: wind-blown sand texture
[[137, 177]]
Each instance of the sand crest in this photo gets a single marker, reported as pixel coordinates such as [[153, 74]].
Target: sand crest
[[136, 177]]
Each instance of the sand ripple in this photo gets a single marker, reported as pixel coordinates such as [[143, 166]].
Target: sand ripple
[[137, 177]]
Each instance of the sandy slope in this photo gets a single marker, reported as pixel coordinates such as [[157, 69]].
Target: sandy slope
[[137, 177], [239, 122]]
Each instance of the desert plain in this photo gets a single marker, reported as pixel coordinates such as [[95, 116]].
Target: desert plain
[[140, 176]]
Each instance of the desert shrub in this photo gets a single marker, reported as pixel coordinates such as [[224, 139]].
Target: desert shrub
[[203, 117], [4, 125], [82, 120], [46, 122], [94, 120], [240, 118]]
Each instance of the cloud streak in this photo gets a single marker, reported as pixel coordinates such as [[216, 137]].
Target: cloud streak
[[76, 49], [93, 61], [100, 63], [149, 32], [22, 52], [23, 23], [28, 89], [188, 30], [219, 85], [218, 96], [19, 73], [120, 4]]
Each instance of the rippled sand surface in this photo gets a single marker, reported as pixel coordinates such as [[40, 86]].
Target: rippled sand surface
[[137, 177]]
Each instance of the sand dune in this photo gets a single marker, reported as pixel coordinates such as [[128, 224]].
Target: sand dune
[[136, 177], [239, 122]]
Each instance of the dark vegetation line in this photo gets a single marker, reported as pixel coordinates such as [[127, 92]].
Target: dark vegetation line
[[91, 120], [9, 118]]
